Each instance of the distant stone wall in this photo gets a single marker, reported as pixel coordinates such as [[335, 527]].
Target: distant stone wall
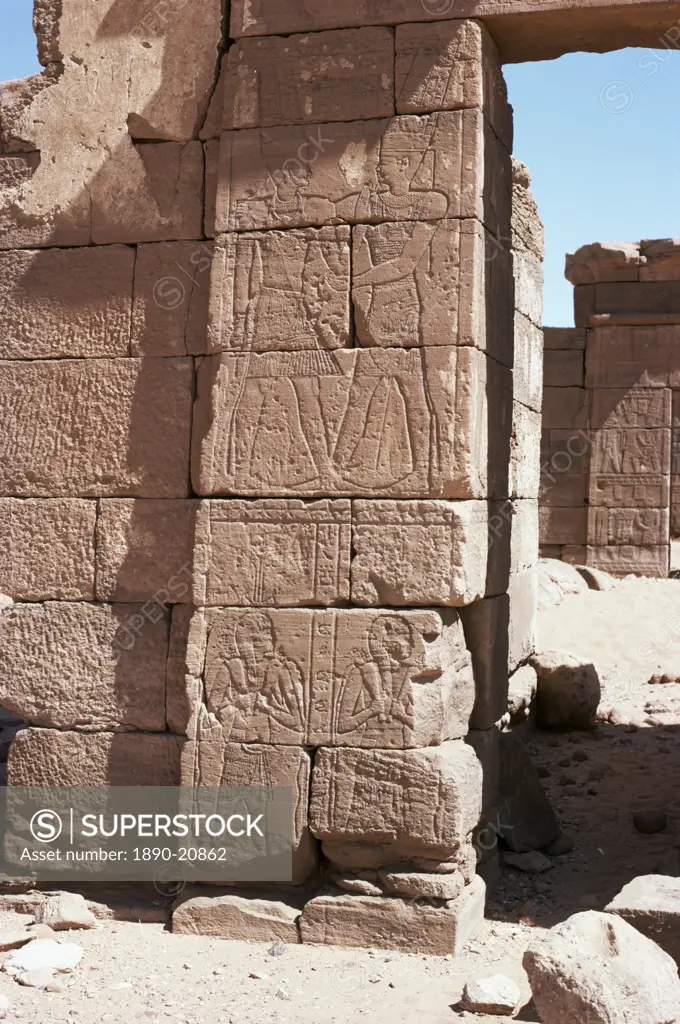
[[610, 486]]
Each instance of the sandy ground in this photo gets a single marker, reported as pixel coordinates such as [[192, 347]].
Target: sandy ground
[[138, 971]]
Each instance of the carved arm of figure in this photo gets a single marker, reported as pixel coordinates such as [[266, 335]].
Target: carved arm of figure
[[283, 695], [404, 265], [361, 697]]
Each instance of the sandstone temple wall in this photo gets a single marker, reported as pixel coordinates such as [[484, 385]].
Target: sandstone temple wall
[[610, 494], [270, 389]]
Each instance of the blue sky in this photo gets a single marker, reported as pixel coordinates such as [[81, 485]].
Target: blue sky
[[599, 132]]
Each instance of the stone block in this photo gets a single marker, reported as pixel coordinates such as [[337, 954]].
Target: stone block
[[84, 666], [584, 304], [651, 904], [523, 596], [211, 159], [145, 550], [241, 918], [566, 451], [639, 527], [379, 423], [486, 635], [403, 168], [348, 678], [528, 364], [450, 66], [563, 368], [622, 559], [48, 757], [630, 407], [513, 541], [564, 337], [643, 297], [660, 260], [180, 684], [327, 76], [47, 549], [604, 262], [280, 291], [563, 489], [394, 923], [419, 552], [272, 552], [162, 197], [172, 288], [525, 452], [209, 759], [409, 803], [66, 302], [633, 357], [630, 468], [565, 408], [560, 525], [95, 427], [528, 274]]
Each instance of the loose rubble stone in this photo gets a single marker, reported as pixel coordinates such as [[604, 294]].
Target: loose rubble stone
[[534, 862], [65, 910], [235, 917], [44, 954], [568, 690], [651, 903], [496, 994], [596, 967]]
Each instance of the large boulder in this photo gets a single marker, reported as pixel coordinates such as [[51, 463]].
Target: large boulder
[[568, 690], [651, 903], [597, 968]]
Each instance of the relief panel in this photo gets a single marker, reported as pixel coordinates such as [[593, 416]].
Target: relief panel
[[349, 678]]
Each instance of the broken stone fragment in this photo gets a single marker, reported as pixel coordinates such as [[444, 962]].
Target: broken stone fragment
[[651, 903], [65, 910], [568, 690], [596, 967], [248, 919], [496, 994]]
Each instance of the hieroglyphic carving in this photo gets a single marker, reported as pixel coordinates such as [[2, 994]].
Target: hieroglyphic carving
[[630, 468], [419, 283], [272, 552], [279, 290], [350, 678], [373, 422], [401, 168], [640, 527], [614, 408]]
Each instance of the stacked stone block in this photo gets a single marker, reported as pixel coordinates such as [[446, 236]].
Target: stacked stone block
[[610, 411], [261, 396]]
